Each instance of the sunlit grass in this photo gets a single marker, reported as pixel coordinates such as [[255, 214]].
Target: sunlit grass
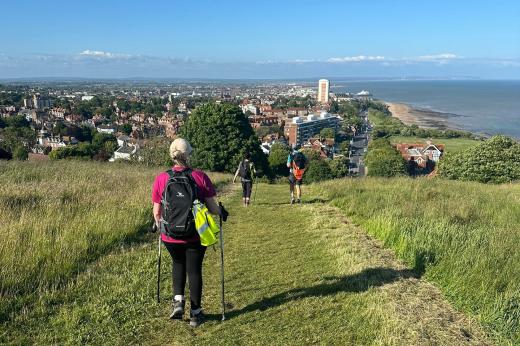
[[57, 217], [465, 235]]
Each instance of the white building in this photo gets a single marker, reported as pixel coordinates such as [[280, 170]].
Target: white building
[[105, 129], [251, 108], [124, 153], [323, 91], [87, 98]]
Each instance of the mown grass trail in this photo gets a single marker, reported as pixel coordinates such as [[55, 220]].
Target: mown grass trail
[[294, 275]]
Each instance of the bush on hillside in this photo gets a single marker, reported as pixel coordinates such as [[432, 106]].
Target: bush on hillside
[[20, 153], [220, 135], [493, 161], [383, 160], [339, 167], [318, 170]]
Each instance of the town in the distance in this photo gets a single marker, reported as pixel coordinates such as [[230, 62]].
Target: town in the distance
[[113, 121]]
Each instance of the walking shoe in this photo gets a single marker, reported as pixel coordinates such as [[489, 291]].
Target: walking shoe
[[299, 201], [197, 320], [178, 310], [292, 200]]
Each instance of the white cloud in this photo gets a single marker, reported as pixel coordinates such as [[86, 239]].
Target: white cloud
[[102, 55], [437, 57], [358, 58]]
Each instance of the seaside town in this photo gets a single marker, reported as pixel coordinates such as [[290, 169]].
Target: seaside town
[[291, 114], [113, 121]]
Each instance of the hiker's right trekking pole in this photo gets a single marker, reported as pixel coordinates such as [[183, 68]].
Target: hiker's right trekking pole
[[159, 272], [222, 266]]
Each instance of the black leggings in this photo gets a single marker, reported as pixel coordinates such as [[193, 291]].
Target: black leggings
[[187, 258], [247, 186]]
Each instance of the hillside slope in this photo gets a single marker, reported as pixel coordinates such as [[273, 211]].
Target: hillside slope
[[294, 275]]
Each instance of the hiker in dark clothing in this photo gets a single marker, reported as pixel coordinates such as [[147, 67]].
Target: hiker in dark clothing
[[247, 172]]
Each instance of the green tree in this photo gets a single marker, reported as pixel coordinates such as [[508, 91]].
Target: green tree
[[99, 139], [278, 159], [154, 153], [126, 129], [344, 146], [220, 135], [383, 160], [318, 170], [327, 133], [339, 167]]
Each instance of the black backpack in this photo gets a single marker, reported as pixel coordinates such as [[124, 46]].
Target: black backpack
[[177, 202], [300, 160], [245, 170]]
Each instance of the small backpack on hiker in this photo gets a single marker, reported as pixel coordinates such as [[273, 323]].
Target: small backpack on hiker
[[298, 165], [245, 171], [179, 195]]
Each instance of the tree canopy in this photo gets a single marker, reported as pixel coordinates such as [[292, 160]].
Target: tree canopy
[[220, 135], [383, 160]]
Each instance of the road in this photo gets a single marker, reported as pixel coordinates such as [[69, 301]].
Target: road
[[358, 147]]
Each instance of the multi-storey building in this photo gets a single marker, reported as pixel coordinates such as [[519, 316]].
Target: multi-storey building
[[323, 91], [301, 129]]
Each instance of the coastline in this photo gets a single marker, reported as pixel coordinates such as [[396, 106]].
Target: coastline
[[421, 117]]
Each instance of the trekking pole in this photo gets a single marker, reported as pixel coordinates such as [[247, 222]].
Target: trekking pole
[[222, 266], [254, 192], [159, 272]]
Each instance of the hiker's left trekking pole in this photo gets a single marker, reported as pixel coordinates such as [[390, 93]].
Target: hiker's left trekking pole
[[254, 192], [159, 272], [221, 235]]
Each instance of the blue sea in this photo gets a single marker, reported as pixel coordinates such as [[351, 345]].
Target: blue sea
[[484, 107]]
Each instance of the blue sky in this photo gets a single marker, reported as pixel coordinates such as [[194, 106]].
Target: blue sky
[[260, 39]]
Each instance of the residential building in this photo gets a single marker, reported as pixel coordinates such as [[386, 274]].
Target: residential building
[[249, 108], [124, 152], [421, 153], [323, 91], [324, 147], [301, 129]]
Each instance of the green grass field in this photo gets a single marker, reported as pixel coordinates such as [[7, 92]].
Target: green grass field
[[294, 274], [452, 144], [465, 236]]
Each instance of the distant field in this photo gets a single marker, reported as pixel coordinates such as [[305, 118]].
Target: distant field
[[464, 235], [452, 144]]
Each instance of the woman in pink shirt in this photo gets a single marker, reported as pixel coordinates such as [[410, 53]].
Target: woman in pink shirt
[[187, 253]]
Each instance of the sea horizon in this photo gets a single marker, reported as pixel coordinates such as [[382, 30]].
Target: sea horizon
[[486, 107]]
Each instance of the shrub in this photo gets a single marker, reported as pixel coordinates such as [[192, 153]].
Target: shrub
[[318, 170], [493, 161], [338, 167], [383, 160]]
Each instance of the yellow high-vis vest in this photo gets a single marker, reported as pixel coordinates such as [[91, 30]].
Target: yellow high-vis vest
[[205, 224]]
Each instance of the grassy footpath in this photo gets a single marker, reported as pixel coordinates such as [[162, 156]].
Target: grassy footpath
[[465, 235], [452, 144], [295, 275]]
